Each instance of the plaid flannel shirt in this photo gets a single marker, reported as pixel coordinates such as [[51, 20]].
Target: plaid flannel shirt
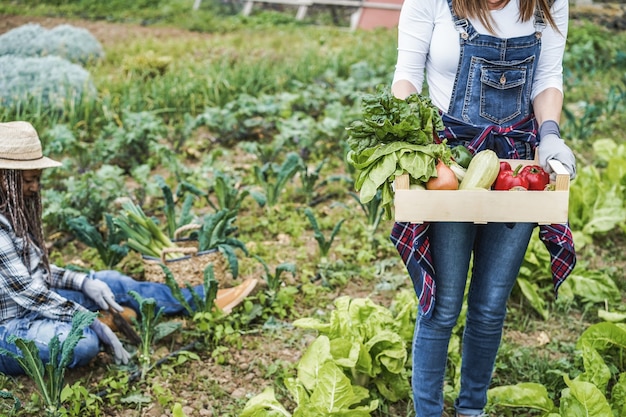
[[22, 292]]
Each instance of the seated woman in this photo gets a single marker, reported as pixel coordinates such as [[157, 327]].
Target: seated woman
[[37, 299]]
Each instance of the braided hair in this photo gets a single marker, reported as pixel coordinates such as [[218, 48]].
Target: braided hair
[[23, 213]]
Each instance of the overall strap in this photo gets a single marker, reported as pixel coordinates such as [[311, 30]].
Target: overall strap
[[463, 26], [540, 18]]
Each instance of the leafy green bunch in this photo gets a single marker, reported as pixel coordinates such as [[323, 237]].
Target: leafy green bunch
[[393, 137], [386, 119]]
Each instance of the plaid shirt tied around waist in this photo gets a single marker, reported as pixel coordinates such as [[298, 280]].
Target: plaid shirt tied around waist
[[500, 139]]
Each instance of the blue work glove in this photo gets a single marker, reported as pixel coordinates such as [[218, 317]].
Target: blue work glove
[[100, 292], [551, 146], [106, 336]]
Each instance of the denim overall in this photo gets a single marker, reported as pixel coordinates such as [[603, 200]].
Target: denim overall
[[491, 94], [490, 106]]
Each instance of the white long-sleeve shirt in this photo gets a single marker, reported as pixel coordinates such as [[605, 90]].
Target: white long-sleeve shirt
[[429, 42]]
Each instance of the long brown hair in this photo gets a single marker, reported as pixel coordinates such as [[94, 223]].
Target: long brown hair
[[479, 9], [23, 213]]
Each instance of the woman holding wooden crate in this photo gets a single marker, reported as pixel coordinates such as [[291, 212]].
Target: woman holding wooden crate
[[494, 69]]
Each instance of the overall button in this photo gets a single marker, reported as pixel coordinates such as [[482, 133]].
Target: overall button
[[503, 79]]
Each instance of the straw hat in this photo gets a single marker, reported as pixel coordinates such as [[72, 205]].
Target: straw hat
[[20, 148]]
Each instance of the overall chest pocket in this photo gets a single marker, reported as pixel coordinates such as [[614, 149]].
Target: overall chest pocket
[[504, 89]]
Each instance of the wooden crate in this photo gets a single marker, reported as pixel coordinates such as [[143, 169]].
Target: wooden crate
[[489, 206]]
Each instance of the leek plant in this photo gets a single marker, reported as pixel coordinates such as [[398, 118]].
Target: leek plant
[[49, 378], [144, 235]]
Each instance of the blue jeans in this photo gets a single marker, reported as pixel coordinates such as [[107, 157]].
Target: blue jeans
[[498, 254], [40, 329]]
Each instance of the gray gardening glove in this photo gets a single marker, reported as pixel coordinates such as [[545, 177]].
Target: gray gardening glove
[[100, 293], [551, 146], [106, 336]]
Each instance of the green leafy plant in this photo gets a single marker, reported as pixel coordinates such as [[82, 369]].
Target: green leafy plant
[[600, 390], [90, 194], [324, 244], [273, 280], [134, 141], [227, 193], [174, 219], [374, 212], [109, 247], [392, 137], [49, 378], [151, 329], [310, 179], [273, 179], [597, 196], [216, 232], [360, 352], [80, 401], [201, 304], [14, 408]]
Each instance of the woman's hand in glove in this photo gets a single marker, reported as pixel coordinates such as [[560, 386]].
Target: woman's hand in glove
[[101, 293], [106, 336], [551, 146]]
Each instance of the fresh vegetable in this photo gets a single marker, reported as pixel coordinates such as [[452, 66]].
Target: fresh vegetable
[[458, 170], [379, 166], [537, 178], [144, 236], [445, 179], [386, 119], [462, 155], [509, 179], [394, 137], [482, 171]]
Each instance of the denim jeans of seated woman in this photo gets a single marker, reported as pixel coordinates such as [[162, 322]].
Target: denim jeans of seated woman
[[498, 254], [40, 329]]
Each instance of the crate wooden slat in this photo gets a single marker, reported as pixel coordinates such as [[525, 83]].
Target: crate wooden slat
[[484, 206]]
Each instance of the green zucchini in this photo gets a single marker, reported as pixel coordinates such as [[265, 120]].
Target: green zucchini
[[482, 171]]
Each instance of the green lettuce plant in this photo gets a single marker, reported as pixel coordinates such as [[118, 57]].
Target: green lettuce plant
[[599, 390], [361, 352]]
